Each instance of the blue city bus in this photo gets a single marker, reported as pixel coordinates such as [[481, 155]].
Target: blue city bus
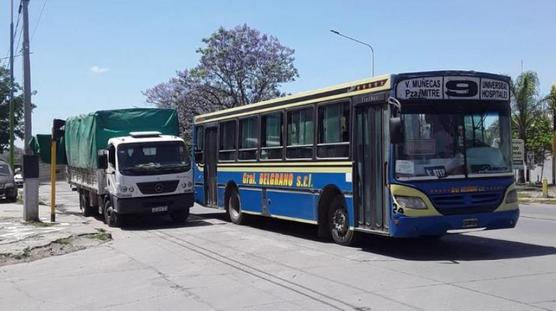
[[402, 155]]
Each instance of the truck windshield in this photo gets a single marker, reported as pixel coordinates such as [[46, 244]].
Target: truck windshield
[[453, 145], [4, 169], [152, 158]]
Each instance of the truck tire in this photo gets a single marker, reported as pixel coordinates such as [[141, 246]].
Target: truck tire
[[338, 223], [179, 217], [111, 218], [234, 208], [12, 198], [86, 210]]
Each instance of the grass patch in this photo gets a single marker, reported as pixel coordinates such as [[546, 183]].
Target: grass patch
[[41, 224], [63, 241], [101, 235], [26, 254]]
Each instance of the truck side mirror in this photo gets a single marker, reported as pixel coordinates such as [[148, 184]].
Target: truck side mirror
[[396, 130], [102, 160]]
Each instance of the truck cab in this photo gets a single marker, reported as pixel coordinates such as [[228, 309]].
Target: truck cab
[[146, 173]]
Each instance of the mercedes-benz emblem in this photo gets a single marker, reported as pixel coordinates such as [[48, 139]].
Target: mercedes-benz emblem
[[158, 188]]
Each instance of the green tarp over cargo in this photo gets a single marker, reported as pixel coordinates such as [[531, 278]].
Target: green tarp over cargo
[[85, 135], [41, 146]]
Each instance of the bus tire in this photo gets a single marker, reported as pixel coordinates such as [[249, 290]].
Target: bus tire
[[234, 208], [339, 224], [111, 218]]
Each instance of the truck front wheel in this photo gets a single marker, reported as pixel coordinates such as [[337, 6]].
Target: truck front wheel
[[111, 218], [179, 217]]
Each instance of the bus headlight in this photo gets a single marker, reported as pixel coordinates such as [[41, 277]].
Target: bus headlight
[[512, 196], [123, 188], [410, 202]]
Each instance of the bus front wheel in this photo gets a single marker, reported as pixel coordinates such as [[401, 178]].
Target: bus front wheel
[[339, 224], [234, 208]]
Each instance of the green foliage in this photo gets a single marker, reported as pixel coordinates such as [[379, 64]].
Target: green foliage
[[5, 109], [524, 104], [539, 137]]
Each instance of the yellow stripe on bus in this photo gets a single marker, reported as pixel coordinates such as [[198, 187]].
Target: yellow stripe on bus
[[293, 169]]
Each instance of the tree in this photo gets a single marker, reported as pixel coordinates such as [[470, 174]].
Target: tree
[[550, 100], [524, 107], [237, 67], [5, 110]]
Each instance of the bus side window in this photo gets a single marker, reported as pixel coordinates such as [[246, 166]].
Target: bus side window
[[300, 134], [199, 144], [228, 141], [271, 136], [248, 138], [333, 128]]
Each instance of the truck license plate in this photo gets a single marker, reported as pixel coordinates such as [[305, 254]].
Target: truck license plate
[[159, 209]]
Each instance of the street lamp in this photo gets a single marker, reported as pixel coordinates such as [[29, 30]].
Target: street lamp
[[360, 42]]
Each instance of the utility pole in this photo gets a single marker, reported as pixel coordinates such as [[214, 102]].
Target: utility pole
[[11, 113], [30, 161]]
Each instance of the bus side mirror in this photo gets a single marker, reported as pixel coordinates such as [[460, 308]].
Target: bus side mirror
[[102, 160], [396, 130]]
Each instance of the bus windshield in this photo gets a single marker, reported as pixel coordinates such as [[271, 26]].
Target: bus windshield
[[453, 145], [152, 158]]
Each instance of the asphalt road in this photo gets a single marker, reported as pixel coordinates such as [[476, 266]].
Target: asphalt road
[[210, 264]]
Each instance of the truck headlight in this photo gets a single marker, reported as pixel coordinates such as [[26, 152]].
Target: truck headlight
[[123, 188], [512, 196], [410, 202]]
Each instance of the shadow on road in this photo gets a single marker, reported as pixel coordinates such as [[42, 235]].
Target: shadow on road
[[452, 248], [161, 222]]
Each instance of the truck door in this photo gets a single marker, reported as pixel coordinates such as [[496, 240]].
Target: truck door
[[210, 166], [368, 169]]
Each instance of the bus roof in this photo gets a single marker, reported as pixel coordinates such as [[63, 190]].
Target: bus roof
[[368, 85], [374, 84]]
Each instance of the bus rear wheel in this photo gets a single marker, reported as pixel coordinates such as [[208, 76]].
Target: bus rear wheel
[[339, 224], [234, 208]]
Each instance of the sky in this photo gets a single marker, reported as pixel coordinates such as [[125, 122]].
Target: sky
[[95, 55]]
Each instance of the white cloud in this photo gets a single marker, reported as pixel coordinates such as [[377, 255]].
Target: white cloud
[[98, 70]]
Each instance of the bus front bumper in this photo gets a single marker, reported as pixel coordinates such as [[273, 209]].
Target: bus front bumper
[[407, 227], [152, 205]]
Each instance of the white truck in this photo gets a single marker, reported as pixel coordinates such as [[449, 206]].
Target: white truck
[[128, 161]]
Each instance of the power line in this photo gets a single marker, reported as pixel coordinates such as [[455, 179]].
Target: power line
[[38, 20]]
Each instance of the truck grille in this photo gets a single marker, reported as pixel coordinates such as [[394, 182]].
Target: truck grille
[[158, 187], [456, 204]]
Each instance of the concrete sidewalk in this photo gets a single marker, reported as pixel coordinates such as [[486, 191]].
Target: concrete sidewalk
[[19, 239]]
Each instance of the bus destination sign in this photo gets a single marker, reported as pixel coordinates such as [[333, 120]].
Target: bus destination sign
[[453, 87]]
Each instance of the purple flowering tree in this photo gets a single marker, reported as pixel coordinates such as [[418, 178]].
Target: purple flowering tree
[[237, 67]]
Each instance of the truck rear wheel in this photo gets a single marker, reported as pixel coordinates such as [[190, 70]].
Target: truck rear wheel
[[84, 203], [111, 218], [179, 217]]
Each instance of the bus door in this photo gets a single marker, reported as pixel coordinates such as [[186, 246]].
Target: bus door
[[368, 172], [211, 156]]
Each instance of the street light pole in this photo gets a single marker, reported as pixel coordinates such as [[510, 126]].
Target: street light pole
[[360, 42], [11, 112]]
